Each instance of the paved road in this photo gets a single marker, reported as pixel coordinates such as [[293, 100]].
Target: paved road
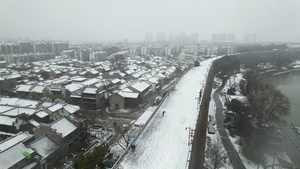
[[232, 153]]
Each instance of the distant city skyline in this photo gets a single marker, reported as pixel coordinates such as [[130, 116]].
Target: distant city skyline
[[116, 20]]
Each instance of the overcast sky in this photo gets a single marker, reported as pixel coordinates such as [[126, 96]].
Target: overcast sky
[[101, 20]]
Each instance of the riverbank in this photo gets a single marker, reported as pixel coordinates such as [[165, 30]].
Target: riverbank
[[277, 72], [289, 85]]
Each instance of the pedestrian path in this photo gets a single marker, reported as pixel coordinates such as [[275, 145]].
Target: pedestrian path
[[164, 141], [236, 161]]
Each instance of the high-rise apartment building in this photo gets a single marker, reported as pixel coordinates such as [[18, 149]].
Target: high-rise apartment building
[[24, 51], [231, 37], [194, 38], [250, 38], [223, 37], [171, 38], [161, 37], [148, 37]]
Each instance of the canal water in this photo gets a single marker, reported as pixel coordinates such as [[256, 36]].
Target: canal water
[[289, 84]]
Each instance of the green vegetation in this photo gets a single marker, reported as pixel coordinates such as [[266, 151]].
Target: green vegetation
[[45, 75], [34, 95], [100, 158], [7, 87]]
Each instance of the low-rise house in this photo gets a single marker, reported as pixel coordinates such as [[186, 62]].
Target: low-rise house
[[76, 98], [162, 79], [55, 110], [70, 88], [9, 124], [142, 88], [70, 109], [63, 132], [13, 114], [48, 152], [154, 82], [42, 117], [14, 152], [37, 92], [57, 86], [91, 74], [125, 99], [23, 90], [92, 98], [170, 73]]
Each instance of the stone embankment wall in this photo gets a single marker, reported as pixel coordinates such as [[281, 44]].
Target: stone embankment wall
[[198, 150]]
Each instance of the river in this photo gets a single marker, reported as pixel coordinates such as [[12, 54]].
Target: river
[[288, 84]]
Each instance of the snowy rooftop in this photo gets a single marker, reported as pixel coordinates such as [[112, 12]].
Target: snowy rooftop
[[38, 89], [129, 72], [128, 94], [27, 103], [4, 120], [116, 81], [153, 80], [98, 85], [136, 75], [240, 98], [30, 166], [161, 75], [90, 82], [13, 155], [14, 140], [71, 108], [140, 86], [18, 102], [79, 79], [42, 114], [56, 107], [63, 126], [24, 88], [47, 104], [44, 146], [89, 90], [5, 108], [34, 123], [17, 111], [73, 87], [8, 101]]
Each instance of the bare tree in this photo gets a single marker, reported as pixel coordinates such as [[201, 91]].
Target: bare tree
[[267, 104], [216, 152], [125, 134], [252, 80], [118, 60]]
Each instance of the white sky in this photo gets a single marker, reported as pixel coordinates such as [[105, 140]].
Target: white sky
[[96, 20]]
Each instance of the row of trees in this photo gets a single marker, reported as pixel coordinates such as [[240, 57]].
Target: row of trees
[[259, 47]]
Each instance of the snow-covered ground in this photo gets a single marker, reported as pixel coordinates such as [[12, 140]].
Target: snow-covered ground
[[233, 81], [164, 141]]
